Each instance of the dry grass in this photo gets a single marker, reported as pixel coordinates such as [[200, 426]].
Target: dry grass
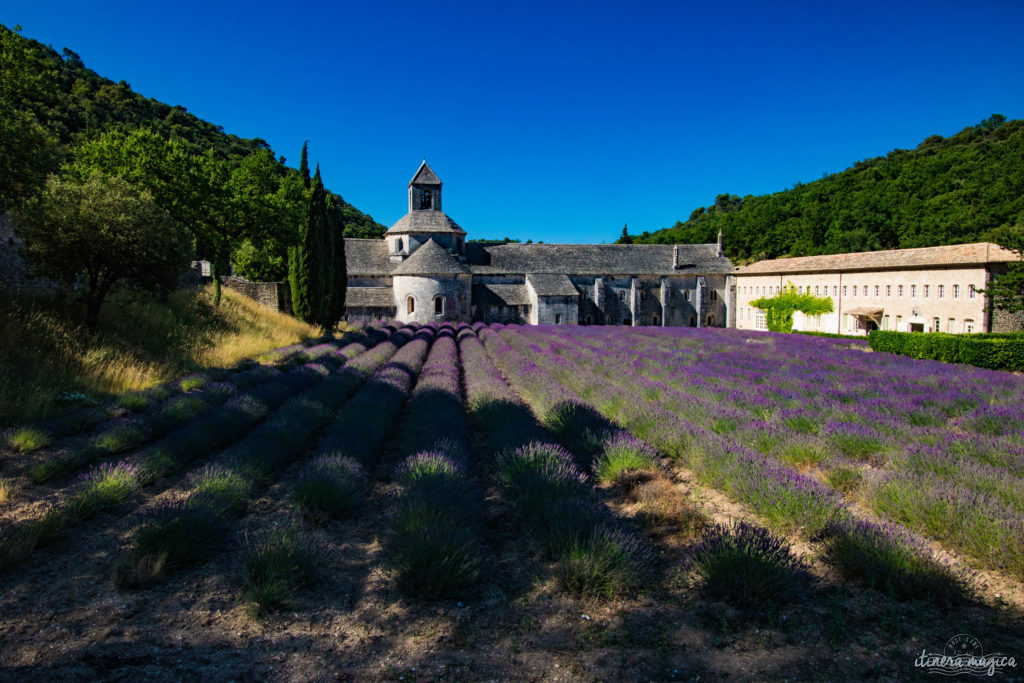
[[49, 360]]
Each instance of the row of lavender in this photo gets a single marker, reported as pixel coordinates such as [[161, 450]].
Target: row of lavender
[[934, 447], [609, 381], [108, 485], [191, 526], [166, 402]]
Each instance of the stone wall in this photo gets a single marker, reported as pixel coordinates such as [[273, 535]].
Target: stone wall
[[1004, 321], [276, 296]]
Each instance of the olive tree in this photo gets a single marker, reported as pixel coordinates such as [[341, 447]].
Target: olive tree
[[101, 231]]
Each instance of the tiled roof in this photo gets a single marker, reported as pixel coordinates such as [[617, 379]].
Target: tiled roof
[[425, 221], [551, 284], [486, 258], [366, 257], [430, 259], [370, 297], [500, 295], [977, 253], [425, 176]]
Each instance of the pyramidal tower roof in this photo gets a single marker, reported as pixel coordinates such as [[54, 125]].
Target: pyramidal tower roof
[[430, 259], [425, 176]]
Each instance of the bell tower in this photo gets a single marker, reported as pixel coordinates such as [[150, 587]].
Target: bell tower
[[425, 190]]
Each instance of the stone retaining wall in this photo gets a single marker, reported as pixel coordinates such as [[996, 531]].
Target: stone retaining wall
[[276, 296]]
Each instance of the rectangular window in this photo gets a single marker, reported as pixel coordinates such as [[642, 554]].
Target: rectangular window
[[972, 292], [835, 290], [855, 290], [899, 290], [888, 290], [968, 326], [816, 290], [876, 290], [942, 291], [885, 322], [951, 325], [935, 324], [956, 291], [844, 290], [913, 291], [899, 322], [927, 288]]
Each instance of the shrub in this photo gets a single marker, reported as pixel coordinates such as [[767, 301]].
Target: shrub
[[27, 439], [135, 402], [845, 479], [622, 453], [602, 564], [329, 487], [748, 567], [174, 536], [996, 352], [276, 566], [434, 559], [102, 488], [219, 489], [120, 438], [889, 560], [194, 381]]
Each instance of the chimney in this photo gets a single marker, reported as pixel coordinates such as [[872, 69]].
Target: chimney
[[721, 249], [675, 256]]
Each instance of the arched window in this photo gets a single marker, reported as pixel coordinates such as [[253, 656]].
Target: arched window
[[558, 318], [686, 295], [711, 321], [398, 244], [590, 320], [410, 305], [655, 321], [425, 199], [693, 321], [622, 295], [438, 305]]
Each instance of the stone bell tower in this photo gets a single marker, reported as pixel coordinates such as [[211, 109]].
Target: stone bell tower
[[425, 190]]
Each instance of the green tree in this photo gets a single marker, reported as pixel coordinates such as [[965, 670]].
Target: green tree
[[780, 308], [28, 151], [335, 303], [1007, 289], [304, 165], [624, 238], [100, 232], [308, 261]]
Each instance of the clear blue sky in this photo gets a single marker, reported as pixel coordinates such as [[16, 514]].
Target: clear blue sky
[[560, 121]]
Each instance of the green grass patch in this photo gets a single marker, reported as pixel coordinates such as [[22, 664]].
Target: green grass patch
[[276, 566]]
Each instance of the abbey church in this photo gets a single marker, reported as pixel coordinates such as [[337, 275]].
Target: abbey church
[[424, 270]]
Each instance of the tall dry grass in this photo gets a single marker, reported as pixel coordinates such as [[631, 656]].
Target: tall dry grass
[[49, 360]]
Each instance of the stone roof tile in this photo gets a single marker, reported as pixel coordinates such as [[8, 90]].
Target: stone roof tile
[[978, 253], [487, 258], [425, 176], [551, 284], [429, 220], [370, 297], [500, 295], [430, 259], [366, 256]]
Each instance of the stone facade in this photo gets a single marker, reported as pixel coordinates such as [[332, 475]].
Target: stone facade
[[933, 289], [424, 260]]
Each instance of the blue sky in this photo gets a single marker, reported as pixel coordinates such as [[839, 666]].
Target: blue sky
[[560, 121]]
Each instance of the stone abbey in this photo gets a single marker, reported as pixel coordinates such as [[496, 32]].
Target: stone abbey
[[423, 270]]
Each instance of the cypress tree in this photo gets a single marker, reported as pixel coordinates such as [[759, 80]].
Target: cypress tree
[[339, 275], [304, 164], [318, 251]]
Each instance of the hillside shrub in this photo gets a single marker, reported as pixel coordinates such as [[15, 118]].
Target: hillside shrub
[[329, 487], [993, 351]]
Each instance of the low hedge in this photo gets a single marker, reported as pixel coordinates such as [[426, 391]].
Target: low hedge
[[996, 352], [833, 335]]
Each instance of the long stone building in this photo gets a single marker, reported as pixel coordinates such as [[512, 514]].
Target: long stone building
[[930, 289], [424, 270]]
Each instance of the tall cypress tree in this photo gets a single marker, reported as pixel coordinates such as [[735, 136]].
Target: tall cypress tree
[[318, 249], [304, 164], [339, 275]]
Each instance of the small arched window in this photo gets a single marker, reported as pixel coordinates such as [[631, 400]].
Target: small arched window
[[711, 321], [398, 244], [693, 321], [654, 320], [622, 296], [686, 295], [425, 199], [410, 305], [558, 318], [590, 320], [438, 305]]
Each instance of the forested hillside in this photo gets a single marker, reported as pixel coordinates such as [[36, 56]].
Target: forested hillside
[[965, 188], [72, 104]]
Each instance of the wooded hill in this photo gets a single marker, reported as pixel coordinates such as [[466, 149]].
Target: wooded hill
[[74, 103], [954, 190]]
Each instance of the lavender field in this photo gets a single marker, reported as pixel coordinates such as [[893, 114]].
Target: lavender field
[[504, 502]]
